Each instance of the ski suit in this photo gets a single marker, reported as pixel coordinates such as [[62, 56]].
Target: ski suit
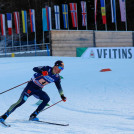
[[34, 87]]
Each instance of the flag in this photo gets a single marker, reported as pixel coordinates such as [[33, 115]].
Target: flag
[[113, 11], [48, 13], [103, 11], [17, 22], [24, 21], [84, 13], [3, 29], [95, 11], [57, 16], [65, 15], [46, 17], [123, 10], [32, 19], [73, 8], [9, 23]]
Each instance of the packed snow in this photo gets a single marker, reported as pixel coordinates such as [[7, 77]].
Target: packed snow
[[97, 102]]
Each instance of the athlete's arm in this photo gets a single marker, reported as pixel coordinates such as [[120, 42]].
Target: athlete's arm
[[40, 69], [58, 85]]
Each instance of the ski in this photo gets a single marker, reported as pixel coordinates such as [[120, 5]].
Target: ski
[[6, 125], [52, 123], [45, 122]]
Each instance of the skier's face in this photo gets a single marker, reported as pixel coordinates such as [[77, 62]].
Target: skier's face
[[58, 69]]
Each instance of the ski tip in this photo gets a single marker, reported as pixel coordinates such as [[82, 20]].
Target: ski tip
[[6, 125], [63, 124], [52, 123]]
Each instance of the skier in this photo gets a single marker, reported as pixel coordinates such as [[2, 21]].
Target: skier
[[43, 76]]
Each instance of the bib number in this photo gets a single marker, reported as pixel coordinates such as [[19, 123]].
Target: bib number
[[43, 82]]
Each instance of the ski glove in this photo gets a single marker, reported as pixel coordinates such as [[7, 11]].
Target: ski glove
[[63, 98], [44, 73]]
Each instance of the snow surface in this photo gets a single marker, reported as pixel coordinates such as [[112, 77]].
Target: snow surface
[[97, 102]]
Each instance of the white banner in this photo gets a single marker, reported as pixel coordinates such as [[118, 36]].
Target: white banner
[[109, 53]]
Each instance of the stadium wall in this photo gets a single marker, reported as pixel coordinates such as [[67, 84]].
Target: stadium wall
[[65, 43]]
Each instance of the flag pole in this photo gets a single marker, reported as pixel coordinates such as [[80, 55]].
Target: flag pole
[[77, 16], [95, 13], [113, 13], [68, 16], [86, 16], [49, 31], [35, 42], [35, 32], [106, 16], [59, 18], [27, 30], [126, 15], [5, 45], [43, 37], [55, 12], [106, 27], [115, 17], [4, 30], [12, 30], [42, 26], [19, 31]]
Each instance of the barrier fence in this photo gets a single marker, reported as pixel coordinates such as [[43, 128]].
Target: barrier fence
[[65, 43], [25, 50]]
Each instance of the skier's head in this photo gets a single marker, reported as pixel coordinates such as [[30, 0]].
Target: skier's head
[[58, 66], [59, 63]]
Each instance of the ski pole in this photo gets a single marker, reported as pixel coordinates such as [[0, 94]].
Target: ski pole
[[18, 85], [14, 87], [52, 105]]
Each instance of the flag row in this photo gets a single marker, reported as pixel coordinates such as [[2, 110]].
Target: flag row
[[46, 16], [16, 16]]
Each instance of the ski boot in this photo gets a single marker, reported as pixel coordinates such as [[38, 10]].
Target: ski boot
[[33, 117], [1, 119]]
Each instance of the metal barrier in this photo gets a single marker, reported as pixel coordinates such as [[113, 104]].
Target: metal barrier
[[25, 50]]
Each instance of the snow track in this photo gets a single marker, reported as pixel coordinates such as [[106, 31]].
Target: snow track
[[97, 102]]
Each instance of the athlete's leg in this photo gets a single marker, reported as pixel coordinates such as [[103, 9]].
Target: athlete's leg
[[24, 96], [45, 99]]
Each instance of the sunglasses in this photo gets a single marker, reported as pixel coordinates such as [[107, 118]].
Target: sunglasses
[[61, 68]]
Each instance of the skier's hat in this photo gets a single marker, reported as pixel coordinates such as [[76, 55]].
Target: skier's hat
[[59, 63]]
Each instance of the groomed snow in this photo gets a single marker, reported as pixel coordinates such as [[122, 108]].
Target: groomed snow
[[97, 102]]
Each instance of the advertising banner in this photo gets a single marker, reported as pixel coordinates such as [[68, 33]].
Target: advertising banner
[[109, 53]]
